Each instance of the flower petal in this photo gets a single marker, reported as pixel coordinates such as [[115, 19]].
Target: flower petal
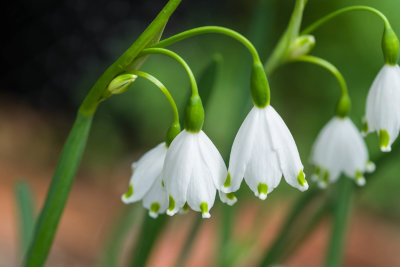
[[241, 150], [177, 168], [156, 200], [284, 145], [383, 109], [213, 160], [145, 172]]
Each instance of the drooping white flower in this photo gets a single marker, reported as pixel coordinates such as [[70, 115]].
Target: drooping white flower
[[263, 150], [146, 183], [340, 148], [193, 171], [383, 106]]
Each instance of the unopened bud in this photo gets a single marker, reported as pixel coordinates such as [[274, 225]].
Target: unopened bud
[[390, 46], [121, 83], [302, 46]]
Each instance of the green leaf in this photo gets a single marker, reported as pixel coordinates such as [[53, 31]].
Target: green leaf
[[25, 206]]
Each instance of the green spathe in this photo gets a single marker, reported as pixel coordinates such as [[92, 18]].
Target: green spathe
[[390, 46], [121, 83], [259, 86], [194, 114]]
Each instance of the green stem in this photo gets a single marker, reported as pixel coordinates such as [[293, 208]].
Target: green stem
[[228, 214], [59, 190], [340, 221], [279, 54], [25, 204], [334, 14], [210, 29], [328, 66], [163, 89], [73, 149], [173, 55], [96, 93]]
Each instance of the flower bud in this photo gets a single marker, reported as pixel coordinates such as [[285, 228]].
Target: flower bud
[[259, 85], [390, 46], [302, 46], [194, 114], [121, 83]]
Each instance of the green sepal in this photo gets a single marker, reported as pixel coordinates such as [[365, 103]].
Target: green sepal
[[343, 106], [172, 132], [259, 86], [194, 114], [390, 46]]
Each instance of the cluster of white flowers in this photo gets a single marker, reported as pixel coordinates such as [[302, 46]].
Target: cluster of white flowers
[[191, 170], [340, 148]]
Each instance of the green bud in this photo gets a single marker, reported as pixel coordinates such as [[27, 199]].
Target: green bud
[[259, 86], [194, 114], [121, 83], [302, 46], [343, 106], [390, 46], [173, 131]]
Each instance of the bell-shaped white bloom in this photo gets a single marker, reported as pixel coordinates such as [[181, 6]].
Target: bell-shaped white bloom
[[193, 171], [146, 183], [383, 106], [263, 150], [340, 148]]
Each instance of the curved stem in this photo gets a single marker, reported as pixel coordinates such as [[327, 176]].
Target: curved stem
[[163, 89], [169, 53], [210, 29], [332, 15], [328, 66]]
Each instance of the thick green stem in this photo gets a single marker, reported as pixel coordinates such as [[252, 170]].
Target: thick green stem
[[59, 190], [189, 242], [126, 59], [334, 14], [279, 54], [74, 147], [340, 221]]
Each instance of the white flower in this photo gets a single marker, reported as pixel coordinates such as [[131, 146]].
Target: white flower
[[383, 106], [193, 171], [339, 148], [146, 184], [263, 150]]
